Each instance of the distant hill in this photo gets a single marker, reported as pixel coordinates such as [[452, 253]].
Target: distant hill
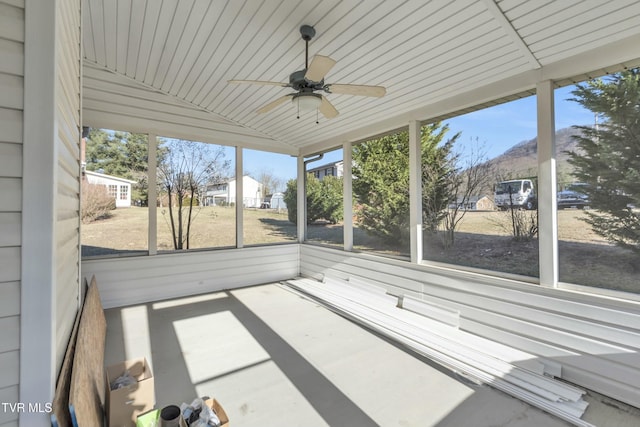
[[521, 159]]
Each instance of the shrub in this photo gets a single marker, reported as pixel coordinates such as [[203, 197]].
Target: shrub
[[191, 201], [524, 224], [324, 199], [96, 202], [521, 224]]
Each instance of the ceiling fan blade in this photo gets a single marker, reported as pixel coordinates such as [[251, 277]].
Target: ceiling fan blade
[[327, 109], [273, 104], [319, 67], [259, 82], [362, 90]]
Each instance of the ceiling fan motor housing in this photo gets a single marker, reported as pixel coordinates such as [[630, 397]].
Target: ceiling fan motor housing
[[300, 83]]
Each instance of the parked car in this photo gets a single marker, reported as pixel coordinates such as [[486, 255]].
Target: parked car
[[572, 199]]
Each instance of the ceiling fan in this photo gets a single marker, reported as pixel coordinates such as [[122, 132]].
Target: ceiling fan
[[311, 80]]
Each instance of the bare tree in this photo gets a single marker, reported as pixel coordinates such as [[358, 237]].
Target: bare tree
[[270, 182], [184, 173], [472, 174]]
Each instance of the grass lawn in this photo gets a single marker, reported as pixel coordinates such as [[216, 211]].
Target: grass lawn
[[212, 227], [483, 240]]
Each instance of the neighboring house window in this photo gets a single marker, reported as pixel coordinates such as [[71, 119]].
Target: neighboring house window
[[113, 190], [124, 192]]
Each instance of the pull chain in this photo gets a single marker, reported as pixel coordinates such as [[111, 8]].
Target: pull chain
[[317, 121]]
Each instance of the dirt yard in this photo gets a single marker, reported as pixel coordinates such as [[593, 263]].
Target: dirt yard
[[483, 240]]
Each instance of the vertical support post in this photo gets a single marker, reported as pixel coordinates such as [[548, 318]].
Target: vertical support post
[[239, 198], [83, 153], [38, 286], [415, 191], [302, 201], [547, 205], [347, 192], [152, 193]]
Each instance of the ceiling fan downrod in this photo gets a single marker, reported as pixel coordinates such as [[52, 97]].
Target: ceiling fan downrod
[[307, 32]]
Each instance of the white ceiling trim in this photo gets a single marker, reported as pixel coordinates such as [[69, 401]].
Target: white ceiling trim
[[614, 57], [497, 13], [435, 58], [114, 101]]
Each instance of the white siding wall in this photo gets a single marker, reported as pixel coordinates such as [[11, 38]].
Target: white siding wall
[[125, 281], [11, 113], [67, 223], [596, 340]]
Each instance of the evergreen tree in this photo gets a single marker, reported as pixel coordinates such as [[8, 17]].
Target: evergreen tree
[[290, 198], [331, 193], [381, 182], [122, 154], [104, 153], [438, 171], [609, 156], [324, 199]]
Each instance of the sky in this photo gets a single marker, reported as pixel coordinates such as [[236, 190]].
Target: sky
[[493, 130]]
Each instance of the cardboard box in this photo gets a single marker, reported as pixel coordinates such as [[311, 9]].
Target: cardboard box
[[219, 410], [123, 405]]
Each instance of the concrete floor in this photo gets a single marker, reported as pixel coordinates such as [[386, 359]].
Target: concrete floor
[[273, 358]]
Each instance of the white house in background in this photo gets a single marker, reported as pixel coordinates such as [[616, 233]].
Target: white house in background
[[474, 203], [119, 188], [225, 193], [328, 169]]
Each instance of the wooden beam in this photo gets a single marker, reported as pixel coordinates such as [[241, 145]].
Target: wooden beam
[[87, 387]]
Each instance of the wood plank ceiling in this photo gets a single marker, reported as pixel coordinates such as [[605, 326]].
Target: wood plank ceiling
[[423, 52]]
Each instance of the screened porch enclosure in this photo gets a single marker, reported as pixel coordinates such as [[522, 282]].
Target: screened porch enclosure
[[162, 70]]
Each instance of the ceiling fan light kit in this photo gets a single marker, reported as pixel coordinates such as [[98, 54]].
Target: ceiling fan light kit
[[307, 102], [306, 82]]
